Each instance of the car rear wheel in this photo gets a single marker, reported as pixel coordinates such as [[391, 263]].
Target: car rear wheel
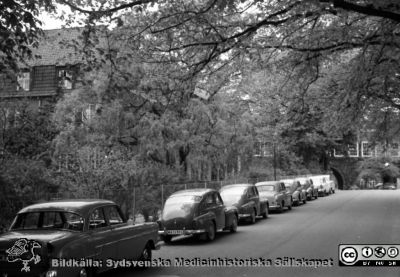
[[290, 205], [210, 232], [280, 209], [266, 212], [234, 224], [252, 217]]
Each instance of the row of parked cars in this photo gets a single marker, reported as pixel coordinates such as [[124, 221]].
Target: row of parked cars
[[83, 237], [203, 212]]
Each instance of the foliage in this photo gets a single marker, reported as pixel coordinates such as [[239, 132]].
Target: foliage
[[22, 182], [378, 169]]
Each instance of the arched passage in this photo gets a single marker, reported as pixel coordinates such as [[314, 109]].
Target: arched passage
[[339, 178]]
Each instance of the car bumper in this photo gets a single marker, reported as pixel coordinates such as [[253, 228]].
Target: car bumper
[[241, 216], [274, 207], [180, 232]]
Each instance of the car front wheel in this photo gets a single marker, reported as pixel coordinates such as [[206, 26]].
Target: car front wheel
[[146, 253], [210, 232], [234, 224]]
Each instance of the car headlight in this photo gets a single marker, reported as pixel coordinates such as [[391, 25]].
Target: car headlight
[[51, 273]]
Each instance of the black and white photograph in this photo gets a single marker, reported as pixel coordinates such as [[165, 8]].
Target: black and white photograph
[[174, 138]]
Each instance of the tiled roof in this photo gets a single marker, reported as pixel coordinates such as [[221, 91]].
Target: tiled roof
[[56, 48]]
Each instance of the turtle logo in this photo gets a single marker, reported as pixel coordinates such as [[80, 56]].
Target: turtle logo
[[24, 250]]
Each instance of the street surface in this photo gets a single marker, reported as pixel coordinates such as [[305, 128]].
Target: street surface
[[311, 231]]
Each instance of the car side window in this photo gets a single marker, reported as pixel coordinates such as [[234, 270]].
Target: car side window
[[209, 200], [52, 220], [250, 192], [114, 215], [97, 219], [218, 199], [256, 191]]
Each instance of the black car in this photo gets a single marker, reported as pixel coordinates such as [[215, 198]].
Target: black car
[[198, 212], [247, 200]]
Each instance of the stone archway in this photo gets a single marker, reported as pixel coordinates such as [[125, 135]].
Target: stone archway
[[339, 178]]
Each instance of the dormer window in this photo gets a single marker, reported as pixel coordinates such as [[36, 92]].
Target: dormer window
[[23, 81], [65, 78]]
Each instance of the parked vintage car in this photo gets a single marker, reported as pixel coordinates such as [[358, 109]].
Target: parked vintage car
[[199, 212], [324, 185], [275, 192], [294, 188], [45, 239], [247, 200], [308, 187]]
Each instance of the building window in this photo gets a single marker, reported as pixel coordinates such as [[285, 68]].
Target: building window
[[88, 113], [353, 150], [65, 78], [338, 153], [258, 148], [268, 150], [394, 149], [263, 149], [366, 149], [23, 81]]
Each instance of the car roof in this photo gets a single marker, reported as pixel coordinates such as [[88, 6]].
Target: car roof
[[287, 180], [80, 206], [196, 192], [237, 186], [268, 183]]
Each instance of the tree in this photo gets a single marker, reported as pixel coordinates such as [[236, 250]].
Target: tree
[[20, 30]]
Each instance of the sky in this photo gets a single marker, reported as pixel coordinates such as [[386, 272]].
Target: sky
[[49, 22]]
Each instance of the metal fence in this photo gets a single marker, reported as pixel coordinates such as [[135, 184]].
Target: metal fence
[[146, 202]]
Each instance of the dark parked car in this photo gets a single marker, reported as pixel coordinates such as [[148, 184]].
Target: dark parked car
[[74, 230], [386, 186], [308, 187], [275, 192], [199, 212], [247, 200], [294, 188]]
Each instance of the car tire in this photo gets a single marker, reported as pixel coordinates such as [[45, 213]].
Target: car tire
[[167, 239], [252, 218], [210, 231], [280, 209], [290, 205], [266, 212], [146, 253], [234, 224]]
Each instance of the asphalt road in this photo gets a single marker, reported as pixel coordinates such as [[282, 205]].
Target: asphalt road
[[310, 231]]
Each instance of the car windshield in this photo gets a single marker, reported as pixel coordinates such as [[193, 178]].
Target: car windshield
[[232, 195], [48, 220], [290, 187], [266, 188], [179, 206]]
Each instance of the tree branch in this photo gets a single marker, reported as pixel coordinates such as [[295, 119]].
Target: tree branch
[[368, 10]]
